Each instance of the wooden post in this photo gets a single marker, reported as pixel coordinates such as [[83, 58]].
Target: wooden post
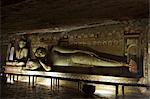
[[13, 77], [10, 77], [29, 81], [51, 83], [116, 91], [17, 77], [123, 90], [33, 81], [78, 85], [58, 84]]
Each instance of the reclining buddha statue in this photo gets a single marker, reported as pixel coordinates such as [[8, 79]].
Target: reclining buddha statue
[[70, 57], [60, 56]]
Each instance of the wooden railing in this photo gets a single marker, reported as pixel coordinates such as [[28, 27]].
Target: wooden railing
[[86, 78]]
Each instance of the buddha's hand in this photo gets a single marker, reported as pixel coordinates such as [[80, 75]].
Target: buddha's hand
[[32, 65], [29, 64]]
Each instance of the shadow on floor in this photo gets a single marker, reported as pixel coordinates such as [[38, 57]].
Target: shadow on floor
[[21, 90]]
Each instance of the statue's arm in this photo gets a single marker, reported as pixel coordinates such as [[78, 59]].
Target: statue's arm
[[113, 64], [63, 50], [89, 53], [47, 68]]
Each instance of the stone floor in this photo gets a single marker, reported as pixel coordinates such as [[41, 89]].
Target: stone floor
[[21, 90]]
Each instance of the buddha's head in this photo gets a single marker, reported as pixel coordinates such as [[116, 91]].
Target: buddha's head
[[40, 52], [22, 43]]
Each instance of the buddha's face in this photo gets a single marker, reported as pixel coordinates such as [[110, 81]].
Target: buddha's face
[[39, 53], [22, 44]]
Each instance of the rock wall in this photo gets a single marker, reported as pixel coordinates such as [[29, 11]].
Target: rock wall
[[106, 38]]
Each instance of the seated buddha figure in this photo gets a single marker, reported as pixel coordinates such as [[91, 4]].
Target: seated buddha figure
[[21, 54], [41, 62]]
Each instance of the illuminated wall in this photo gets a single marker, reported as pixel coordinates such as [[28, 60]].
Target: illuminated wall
[[100, 39], [107, 38]]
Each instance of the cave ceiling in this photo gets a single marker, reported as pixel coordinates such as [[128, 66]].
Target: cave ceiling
[[20, 15]]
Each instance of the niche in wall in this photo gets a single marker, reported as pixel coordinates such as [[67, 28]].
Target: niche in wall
[[133, 50]]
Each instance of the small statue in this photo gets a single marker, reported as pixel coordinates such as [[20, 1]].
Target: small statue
[[21, 54]]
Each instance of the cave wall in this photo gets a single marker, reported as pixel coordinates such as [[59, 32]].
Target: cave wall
[[106, 38]]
